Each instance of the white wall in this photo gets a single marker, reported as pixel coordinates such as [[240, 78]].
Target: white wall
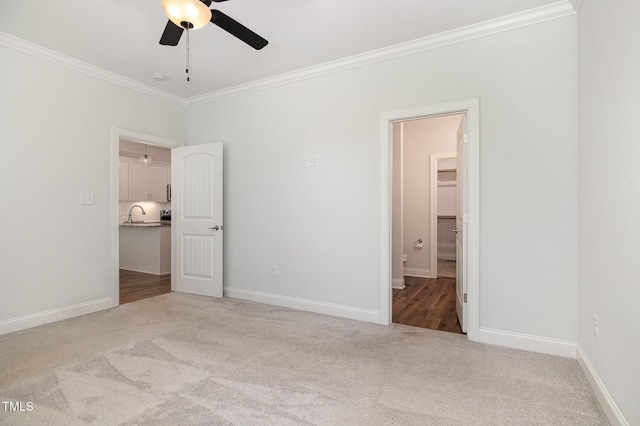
[[421, 139], [56, 129], [321, 224], [610, 197]]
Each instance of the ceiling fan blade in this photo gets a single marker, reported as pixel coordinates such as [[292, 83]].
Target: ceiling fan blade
[[171, 35], [237, 29]]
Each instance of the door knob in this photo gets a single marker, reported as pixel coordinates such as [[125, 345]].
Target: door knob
[[454, 230], [216, 228]]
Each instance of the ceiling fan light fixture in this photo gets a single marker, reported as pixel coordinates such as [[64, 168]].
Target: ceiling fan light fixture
[[193, 12]]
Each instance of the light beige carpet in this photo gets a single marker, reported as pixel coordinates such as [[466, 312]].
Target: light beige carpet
[[179, 359]]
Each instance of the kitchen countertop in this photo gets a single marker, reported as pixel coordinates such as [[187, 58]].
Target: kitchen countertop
[[144, 224]]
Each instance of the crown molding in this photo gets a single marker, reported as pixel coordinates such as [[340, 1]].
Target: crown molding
[[506, 23], [85, 68], [577, 4], [533, 16]]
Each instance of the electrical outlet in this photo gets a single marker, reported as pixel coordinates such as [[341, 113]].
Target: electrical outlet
[[305, 161], [86, 198], [274, 271], [315, 161], [596, 333]]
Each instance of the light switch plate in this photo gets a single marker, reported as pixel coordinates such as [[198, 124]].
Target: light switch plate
[[86, 198]]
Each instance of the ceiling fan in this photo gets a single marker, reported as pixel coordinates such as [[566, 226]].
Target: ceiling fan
[[194, 14]]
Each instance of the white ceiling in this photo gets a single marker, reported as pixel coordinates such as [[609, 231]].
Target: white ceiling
[[121, 36]]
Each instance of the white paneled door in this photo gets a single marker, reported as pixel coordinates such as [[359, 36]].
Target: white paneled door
[[462, 176], [197, 219]]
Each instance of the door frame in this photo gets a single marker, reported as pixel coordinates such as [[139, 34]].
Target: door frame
[[118, 133], [471, 107]]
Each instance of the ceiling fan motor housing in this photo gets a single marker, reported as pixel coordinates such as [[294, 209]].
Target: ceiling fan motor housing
[[179, 12]]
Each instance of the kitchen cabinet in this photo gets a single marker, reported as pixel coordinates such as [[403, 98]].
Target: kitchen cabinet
[[138, 182], [144, 183], [158, 181]]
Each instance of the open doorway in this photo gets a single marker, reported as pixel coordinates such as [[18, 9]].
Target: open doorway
[[467, 202], [144, 225], [424, 203], [141, 254]]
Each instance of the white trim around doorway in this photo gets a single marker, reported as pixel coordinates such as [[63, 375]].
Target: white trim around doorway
[[472, 108], [133, 136]]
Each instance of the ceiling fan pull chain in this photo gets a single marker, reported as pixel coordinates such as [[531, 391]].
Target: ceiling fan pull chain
[[187, 70]]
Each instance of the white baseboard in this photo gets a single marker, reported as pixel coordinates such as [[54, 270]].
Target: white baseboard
[[416, 272], [607, 403], [304, 304], [528, 342], [46, 317], [397, 283]]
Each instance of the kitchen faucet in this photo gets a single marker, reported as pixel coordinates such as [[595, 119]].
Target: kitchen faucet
[[129, 219]]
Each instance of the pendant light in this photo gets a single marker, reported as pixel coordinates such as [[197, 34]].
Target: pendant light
[[145, 160]]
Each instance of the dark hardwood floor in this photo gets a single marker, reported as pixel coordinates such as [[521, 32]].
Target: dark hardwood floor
[[427, 303], [137, 285]]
